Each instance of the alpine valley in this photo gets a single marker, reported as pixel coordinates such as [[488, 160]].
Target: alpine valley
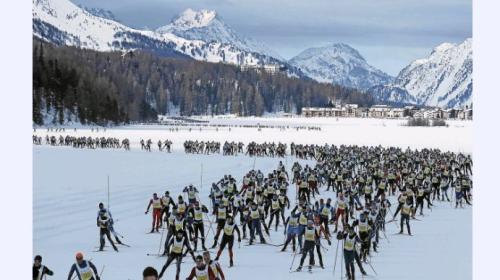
[[320, 74]]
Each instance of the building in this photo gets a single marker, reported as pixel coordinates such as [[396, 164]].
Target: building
[[464, 114], [396, 113], [269, 68], [384, 111], [321, 112], [379, 111]]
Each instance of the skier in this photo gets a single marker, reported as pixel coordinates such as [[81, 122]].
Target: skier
[[157, 206], [324, 213], [149, 273], [401, 201], [405, 217], [350, 239], [103, 223], [364, 227], [85, 270], [228, 238], [221, 214], [214, 267], [176, 246], [291, 231], [200, 271], [276, 207], [255, 219], [191, 192], [39, 270], [320, 230], [111, 227], [311, 236], [341, 206], [197, 212], [166, 201]]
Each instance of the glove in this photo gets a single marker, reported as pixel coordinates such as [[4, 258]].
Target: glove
[[339, 235], [239, 239], [145, 213], [329, 242]]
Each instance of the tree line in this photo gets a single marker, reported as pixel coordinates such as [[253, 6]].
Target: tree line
[[115, 87]]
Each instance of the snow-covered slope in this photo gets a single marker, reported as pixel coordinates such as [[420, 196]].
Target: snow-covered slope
[[62, 22], [340, 64], [208, 26], [443, 79]]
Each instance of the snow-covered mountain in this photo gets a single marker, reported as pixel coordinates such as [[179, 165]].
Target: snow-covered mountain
[[100, 13], [340, 64], [208, 26], [62, 22], [443, 79]]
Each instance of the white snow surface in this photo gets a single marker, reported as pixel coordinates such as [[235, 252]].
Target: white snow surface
[[68, 184], [457, 137]]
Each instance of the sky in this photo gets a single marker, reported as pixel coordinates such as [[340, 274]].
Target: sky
[[388, 33]]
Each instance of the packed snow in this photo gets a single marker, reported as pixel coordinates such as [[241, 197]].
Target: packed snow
[[456, 137], [69, 183]]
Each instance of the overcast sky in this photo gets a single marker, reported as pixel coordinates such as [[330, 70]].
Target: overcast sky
[[388, 33]]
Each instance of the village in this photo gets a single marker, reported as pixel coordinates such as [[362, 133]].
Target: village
[[338, 109]]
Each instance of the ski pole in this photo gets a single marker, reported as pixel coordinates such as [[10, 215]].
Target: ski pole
[[342, 262], [102, 270], [293, 260], [336, 254], [370, 264], [161, 238]]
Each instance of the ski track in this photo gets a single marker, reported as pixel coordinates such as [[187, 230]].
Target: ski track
[[69, 183]]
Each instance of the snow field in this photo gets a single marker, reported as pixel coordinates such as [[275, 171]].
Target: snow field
[[457, 137], [69, 183]]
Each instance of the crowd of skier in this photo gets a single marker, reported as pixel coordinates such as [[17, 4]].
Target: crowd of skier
[[348, 194], [83, 142], [201, 147]]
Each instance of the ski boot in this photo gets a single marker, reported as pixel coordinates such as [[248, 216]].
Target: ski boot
[[118, 241], [310, 268], [231, 264], [299, 268]]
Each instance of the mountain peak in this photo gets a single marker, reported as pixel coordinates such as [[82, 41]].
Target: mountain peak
[[341, 64], [443, 79], [443, 47], [333, 50], [194, 19]]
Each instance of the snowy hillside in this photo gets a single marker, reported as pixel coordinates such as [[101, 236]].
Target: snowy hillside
[[62, 22], [443, 79], [340, 64], [208, 26]]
